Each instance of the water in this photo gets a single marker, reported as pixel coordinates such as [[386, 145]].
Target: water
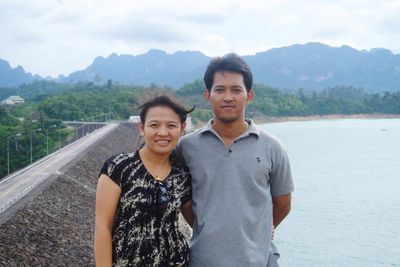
[[346, 204]]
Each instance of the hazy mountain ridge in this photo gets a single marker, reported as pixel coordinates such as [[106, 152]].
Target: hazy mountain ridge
[[311, 66], [317, 66], [14, 76], [155, 66]]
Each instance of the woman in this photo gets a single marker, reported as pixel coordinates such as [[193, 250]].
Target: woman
[[139, 195]]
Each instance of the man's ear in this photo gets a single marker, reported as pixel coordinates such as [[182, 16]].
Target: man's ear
[[207, 94], [250, 96]]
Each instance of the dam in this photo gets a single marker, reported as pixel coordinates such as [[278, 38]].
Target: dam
[[53, 224]]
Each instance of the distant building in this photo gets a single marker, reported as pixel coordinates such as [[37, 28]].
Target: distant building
[[35, 116], [189, 125], [13, 100], [134, 119]]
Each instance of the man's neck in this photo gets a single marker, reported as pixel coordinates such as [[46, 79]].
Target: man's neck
[[230, 131]]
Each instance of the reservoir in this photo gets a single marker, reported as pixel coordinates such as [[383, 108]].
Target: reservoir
[[346, 203]]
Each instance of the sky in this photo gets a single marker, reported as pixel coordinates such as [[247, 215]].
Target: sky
[[52, 37]]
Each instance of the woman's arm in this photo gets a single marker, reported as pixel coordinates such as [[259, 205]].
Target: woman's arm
[[107, 198]]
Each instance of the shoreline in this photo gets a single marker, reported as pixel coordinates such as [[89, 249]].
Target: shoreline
[[267, 119]]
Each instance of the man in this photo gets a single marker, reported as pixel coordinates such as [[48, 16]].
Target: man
[[241, 177]]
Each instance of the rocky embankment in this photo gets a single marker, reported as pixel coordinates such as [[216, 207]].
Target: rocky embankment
[[54, 225]]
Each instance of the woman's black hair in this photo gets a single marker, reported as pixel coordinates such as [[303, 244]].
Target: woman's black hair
[[164, 101]]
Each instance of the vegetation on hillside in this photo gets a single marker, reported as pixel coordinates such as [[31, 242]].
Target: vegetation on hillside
[[48, 104]]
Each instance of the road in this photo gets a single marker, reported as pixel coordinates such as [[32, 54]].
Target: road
[[18, 184]]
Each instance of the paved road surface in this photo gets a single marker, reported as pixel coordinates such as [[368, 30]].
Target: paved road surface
[[18, 184]]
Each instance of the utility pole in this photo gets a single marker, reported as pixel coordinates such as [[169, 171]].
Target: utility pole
[[37, 130], [8, 151]]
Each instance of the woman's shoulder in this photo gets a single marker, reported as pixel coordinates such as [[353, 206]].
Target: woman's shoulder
[[120, 160], [121, 157], [180, 171], [119, 166]]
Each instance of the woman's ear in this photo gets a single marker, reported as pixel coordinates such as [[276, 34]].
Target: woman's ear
[[183, 126], [140, 127]]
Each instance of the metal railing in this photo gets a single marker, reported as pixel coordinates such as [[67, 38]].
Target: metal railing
[[24, 192]]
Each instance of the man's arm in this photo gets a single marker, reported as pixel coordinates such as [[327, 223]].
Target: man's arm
[[281, 208]]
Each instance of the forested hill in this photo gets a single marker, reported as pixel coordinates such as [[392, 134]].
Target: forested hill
[[43, 112], [312, 66]]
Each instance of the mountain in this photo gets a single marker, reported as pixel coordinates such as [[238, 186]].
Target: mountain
[[318, 66], [155, 67], [13, 77], [310, 66]]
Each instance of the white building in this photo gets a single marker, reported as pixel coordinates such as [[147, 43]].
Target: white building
[[189, 125], [134, 119], [13, 100]]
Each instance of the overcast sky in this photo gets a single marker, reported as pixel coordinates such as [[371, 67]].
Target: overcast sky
[[49, 37]]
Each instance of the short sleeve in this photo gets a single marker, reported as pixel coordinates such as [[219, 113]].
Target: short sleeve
[[281, 177], [113, 168], [186, 191]]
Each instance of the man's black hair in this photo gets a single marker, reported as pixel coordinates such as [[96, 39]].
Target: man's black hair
[[230, 62]]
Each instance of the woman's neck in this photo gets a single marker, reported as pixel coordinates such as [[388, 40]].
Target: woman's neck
[[153, 158]]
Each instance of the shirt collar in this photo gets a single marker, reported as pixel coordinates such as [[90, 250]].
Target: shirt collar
[[253, 129]]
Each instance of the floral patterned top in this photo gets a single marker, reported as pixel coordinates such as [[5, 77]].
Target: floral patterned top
[[142, 236]]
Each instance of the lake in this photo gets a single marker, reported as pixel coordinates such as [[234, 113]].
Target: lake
[[346, 203]]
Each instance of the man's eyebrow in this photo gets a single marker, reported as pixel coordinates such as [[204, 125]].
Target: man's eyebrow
[[157, 121]]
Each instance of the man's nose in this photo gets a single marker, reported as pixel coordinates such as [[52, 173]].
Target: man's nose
[[228, 97]]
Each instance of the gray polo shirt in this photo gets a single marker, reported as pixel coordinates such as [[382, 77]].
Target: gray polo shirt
[[232, 188]]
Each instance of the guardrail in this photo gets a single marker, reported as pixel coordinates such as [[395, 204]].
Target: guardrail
[[23, 193], [39, 179]]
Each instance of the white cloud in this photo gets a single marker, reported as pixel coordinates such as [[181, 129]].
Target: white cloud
[[54, 37]]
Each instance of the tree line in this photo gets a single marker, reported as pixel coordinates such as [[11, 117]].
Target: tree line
[[48, 104]]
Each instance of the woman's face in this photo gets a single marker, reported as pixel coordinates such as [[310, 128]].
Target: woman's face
[[161, 130]]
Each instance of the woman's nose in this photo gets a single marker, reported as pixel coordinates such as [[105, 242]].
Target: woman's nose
[[162, 131]]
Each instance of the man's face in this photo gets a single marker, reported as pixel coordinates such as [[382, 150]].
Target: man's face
[[228, 96]]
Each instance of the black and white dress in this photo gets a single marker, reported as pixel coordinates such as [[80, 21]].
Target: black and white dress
[[141, 236]]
